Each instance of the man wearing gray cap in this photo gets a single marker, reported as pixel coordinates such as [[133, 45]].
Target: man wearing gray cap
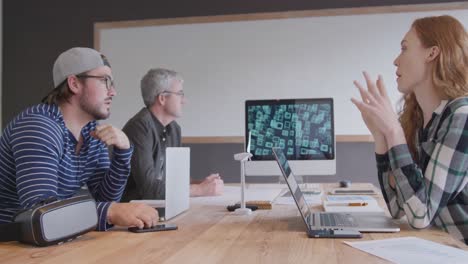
[[56, 148]]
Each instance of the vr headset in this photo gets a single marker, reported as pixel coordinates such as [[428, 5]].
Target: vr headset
[[52, 221]]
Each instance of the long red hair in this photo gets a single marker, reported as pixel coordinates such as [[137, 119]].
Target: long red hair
[[449, 71]]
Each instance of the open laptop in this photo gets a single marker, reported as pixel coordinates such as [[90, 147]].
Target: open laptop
[[319, 224], [177, 184]]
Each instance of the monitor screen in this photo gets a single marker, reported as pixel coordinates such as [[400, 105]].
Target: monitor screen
[[302, 128]]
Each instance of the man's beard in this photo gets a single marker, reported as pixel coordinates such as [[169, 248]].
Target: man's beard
[[94, 110]]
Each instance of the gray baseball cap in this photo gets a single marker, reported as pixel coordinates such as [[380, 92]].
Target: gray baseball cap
[[75, 61]]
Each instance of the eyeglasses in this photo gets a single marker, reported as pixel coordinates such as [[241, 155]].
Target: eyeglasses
[[109, 82], [179, 93]]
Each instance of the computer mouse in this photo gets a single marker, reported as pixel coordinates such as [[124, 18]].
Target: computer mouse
[[345, 183]]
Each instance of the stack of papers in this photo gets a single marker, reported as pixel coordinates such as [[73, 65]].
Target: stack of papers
[[351, 203]]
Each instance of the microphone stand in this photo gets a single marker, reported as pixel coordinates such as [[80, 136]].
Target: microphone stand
[[243, 157]]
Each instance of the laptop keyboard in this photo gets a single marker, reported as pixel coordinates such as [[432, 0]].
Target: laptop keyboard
[[339, 220]]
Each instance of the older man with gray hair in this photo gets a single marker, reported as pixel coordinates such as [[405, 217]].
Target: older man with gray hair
[[151, 131]]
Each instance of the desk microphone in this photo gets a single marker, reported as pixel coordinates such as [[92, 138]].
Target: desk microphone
[[244, 156]]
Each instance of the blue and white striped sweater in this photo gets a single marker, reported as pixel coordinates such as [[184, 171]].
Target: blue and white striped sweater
[[38, 160]]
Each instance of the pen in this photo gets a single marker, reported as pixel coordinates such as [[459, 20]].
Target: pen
[[348, 204]]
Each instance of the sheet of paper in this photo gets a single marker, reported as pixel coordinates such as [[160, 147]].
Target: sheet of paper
[[410, 250]]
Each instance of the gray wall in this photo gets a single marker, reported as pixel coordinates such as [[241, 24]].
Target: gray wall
[[36, 32]]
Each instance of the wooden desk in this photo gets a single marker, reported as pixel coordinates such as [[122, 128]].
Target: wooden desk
[[210, 234]]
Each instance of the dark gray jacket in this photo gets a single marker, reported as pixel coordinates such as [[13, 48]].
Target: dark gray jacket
[[150, 139]]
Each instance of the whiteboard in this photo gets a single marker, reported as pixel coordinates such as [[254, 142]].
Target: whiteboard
[[225, 63]]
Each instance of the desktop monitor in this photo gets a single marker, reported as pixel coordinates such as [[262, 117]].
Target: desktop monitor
[[303, 128]]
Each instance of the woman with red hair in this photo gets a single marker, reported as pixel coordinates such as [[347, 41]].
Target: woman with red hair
[[422, 153]]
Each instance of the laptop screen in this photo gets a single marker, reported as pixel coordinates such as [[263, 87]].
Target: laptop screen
[[292, 183]]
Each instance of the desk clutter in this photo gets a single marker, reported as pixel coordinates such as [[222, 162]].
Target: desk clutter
[[346, 202], [253, 205], [261, 204], [264, 196], [232, 208]]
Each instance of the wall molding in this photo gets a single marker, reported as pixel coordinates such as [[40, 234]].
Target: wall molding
[[99, 26]]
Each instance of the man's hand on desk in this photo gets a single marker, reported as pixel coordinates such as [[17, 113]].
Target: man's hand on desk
[[132, 214], [212, 185]]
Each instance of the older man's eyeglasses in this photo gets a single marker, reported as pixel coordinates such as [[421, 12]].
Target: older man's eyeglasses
[[179, 93], [106, 79]]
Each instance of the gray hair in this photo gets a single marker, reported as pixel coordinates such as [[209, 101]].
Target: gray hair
[[155, 82]]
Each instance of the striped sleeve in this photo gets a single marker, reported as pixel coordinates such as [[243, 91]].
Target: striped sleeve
[[102, 208], [108, 182], [35, 143], [423, 196]]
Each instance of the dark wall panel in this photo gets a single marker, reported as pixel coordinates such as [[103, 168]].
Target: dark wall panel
[[36, 32], [354, 161]]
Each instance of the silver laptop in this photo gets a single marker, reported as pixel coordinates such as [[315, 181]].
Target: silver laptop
[[177, 184], [362, 222]]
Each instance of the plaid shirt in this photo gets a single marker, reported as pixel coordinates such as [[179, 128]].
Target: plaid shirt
[[433, 189]]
